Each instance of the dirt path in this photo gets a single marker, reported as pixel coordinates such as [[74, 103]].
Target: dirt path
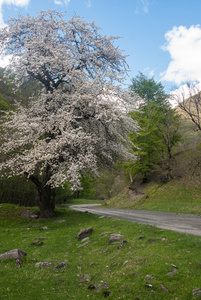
[[183, 223]]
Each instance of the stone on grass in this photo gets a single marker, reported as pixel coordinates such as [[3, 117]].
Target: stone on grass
[[43, 264], [16, 254], [84, 244], [37, 243], [163, 288], [26, 213], [122, 244], [115, 237], [44, 228], [84, 233], [149, 277], [61, 265], [196, 292]]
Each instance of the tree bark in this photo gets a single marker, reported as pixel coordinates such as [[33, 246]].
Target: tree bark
[[45, 194]]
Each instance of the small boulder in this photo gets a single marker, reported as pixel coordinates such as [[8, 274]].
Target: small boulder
[[61, 265], [43, 264], [115, 238], [16, 254], [122, 244], [196, 292], [84, 233]]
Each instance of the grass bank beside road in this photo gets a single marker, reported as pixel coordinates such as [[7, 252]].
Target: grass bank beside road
[[153, 264], [174, 196]]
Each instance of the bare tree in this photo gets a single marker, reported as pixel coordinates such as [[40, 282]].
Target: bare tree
[[188, 99]]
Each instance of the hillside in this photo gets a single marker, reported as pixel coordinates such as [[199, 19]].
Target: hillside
[[182, 194]]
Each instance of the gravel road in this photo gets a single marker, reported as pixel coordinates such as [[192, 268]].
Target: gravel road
[[190, 224]]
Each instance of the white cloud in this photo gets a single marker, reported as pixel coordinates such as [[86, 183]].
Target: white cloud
[[184, 47], [88, 3], [61, 2], [9, 2], [144, 6]]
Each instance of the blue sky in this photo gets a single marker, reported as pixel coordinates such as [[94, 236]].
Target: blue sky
[[161, 37]]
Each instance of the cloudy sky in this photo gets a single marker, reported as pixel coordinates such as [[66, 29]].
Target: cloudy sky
[[161, 37]]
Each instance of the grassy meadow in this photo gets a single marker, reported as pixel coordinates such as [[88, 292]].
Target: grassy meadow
[[153, 264]]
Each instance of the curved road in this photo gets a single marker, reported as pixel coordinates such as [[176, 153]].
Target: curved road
[[190, 224]]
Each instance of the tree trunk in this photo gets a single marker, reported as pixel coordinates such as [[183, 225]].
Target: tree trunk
[[45, 194]]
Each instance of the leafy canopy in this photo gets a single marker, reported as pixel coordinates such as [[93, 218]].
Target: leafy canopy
[[79, 120]]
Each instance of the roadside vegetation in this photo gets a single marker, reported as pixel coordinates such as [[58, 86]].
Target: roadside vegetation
[[153, 264]]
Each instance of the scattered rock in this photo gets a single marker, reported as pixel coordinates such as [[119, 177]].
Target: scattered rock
[[104, 285], [174, 266], [104, 250], [148, 285], [43, 264], [125, 262], [115, 264], [172, 273], [60, 221], [115, 237], [84, 244], [196, 292], [91, 287], [26, 213], [122, 244], [105, 233], [151, 240], [40, 238], [86, 277], [61, 265], [85, 239], [44, 228], [101, 217], [107, 293], [84, 233], [163, 288], [39, 243], [141, 237], [149, 277], [15, 254]]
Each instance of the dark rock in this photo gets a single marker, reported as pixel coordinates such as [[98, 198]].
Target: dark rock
[[141, 237], [84, 233], [104, 285], [151, 240], [38, 243], [18, 262], [115, 237], [107, 293], [91, 287], [122, 244], [61, 265]]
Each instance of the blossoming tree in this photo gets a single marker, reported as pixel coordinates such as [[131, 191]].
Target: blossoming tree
[[79, 120]]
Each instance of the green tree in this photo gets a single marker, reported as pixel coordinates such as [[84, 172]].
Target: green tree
[[148, 89], [159, 128]]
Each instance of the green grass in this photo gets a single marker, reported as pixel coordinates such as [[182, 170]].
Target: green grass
[[124, 270], [174, 196]]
